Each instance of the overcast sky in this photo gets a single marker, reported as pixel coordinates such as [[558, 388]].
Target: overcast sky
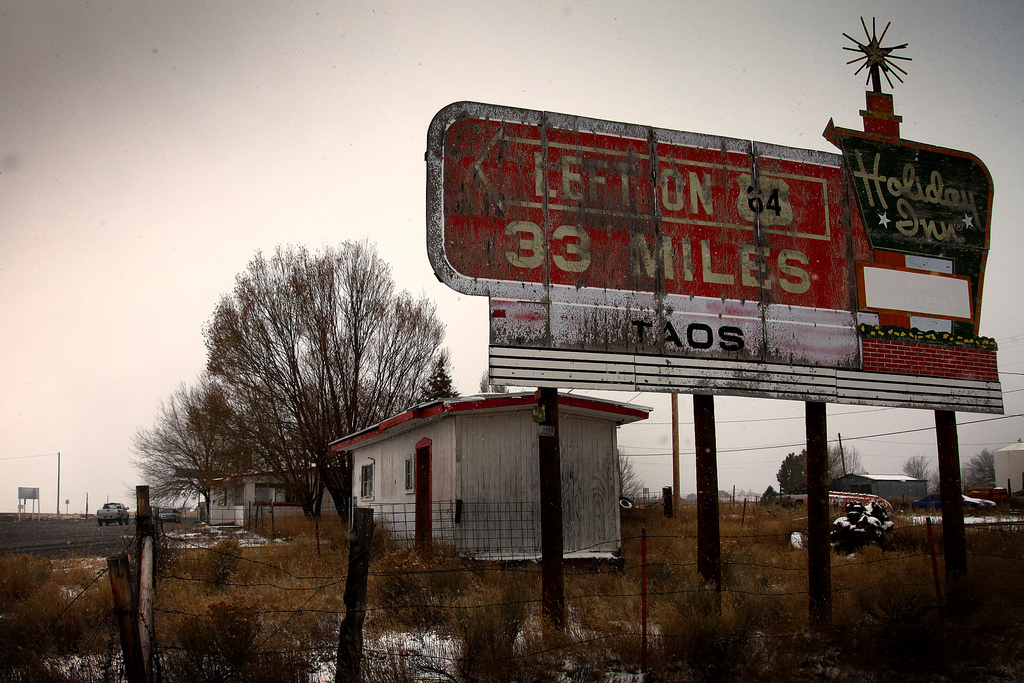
[[149, 149]]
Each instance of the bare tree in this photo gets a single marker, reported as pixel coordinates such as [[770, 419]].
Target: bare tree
[[843, 459], [918, 467], [981, 470], [317, 346], [192, 443], [487, 388], [630, 484]]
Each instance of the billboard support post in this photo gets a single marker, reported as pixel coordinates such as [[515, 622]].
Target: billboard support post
[[819, 567], [709, 550], [551, 545], [676, 496], [954, 540]]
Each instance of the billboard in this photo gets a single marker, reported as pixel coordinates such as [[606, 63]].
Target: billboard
[[930, 207], [624, 256]]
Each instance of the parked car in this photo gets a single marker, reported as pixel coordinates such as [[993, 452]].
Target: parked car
[[934, 500], [793, 500], [172, 515], [997, 494], [112, 513]]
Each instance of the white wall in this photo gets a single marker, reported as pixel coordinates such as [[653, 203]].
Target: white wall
[[1009, 465]]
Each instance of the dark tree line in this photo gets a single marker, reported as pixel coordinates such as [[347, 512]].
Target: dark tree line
[[307, 348]]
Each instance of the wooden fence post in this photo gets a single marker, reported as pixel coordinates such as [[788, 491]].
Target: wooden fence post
[[144, 529], [350, 634], [119, 571]]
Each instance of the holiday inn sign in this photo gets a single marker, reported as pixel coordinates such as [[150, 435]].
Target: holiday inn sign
[[621, 256]]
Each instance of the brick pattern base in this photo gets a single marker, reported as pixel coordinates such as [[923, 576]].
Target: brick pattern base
[[909, 358]]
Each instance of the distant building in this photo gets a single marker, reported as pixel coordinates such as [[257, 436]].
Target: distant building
[[1009, 466], [466, 471], [232, 498], [892, 487]]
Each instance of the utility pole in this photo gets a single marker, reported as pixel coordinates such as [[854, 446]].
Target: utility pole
[[58, 483], [842, 456]]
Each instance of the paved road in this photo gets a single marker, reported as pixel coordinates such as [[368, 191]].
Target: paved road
[[64, 536]]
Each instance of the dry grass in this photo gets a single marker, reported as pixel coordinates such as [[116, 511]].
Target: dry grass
[[271, 612]]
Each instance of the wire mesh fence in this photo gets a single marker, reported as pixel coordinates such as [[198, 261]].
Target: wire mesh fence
[[483, 530], [236, 604]]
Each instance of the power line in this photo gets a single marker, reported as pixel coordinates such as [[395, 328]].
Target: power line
[[776, 419], [22, 457], [849, 438]]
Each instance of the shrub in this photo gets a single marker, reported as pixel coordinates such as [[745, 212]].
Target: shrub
[[218, 644], [222, 561], [20, 577]]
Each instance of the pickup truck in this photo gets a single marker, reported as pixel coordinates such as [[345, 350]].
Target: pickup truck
[[111, 513]]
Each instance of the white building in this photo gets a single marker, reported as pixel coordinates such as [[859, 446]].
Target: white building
[[1009, 466], [466, 471]]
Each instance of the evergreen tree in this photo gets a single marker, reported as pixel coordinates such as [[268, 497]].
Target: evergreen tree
[[439, 384], [792, 474]]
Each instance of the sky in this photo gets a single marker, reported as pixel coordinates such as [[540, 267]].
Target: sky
[[148, 150]]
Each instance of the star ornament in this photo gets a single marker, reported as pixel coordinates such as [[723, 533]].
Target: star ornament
[[883, 219], [877, 59]]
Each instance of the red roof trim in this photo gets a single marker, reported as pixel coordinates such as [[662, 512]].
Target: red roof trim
[[480, 403]]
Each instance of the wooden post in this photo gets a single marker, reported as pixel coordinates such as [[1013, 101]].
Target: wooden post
[[676, 496], [643, 600], [146, 603], [119, 571], [954, 539], [819, 559], [935, 572], [350, 634], [551, 548], [709, 544], [144, 539]]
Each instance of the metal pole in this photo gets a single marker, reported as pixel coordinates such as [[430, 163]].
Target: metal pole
[[551, 548], [819, 568], [954, 540], [709, 547], [58, 483]]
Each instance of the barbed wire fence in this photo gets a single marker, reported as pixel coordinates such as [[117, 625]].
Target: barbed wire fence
[[240, 606]]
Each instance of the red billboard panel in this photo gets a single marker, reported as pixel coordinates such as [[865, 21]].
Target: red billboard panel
[[690, 215]]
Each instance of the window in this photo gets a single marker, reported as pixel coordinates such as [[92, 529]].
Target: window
[[410, 473], [366, 490]]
